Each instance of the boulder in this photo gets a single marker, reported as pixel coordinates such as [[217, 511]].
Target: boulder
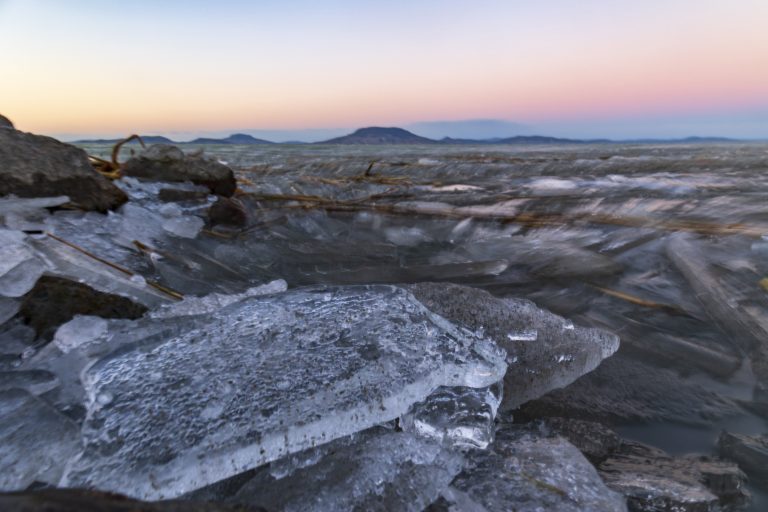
[[165, 162], [749, 452], [652, 480], [528, 471], [54, 301], [37, 166], [5, 122], [227, 211]]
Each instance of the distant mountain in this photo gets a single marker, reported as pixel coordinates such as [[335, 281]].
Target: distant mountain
[[519, 139], [148, 139], [469, 129], [237, 138], [686, 140], [378, 135]]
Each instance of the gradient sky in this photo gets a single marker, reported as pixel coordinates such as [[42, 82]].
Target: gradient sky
[[606, 68]]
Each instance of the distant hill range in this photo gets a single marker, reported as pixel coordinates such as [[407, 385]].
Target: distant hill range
[[148, 139], [375, 135], [237, 138]]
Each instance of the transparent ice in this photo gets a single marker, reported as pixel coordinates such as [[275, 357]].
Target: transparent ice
[[261, 379]]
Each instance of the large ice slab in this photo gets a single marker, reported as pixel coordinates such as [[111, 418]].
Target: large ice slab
[[376, 470], [263, 378]]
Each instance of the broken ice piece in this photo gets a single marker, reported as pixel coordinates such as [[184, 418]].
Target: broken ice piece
[[209, 402], [35, 382], [382, 470], [19, 267], [187, 226], [457, 416], [561, 353], [36, 441], [81, 329]]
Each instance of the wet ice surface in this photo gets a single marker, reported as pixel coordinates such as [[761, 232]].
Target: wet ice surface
[[263, 378], [663, 245]]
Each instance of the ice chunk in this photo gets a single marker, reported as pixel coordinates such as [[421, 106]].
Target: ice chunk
[[458, 416], [36, 441], [22, 278], [81, 329], [27, 214], [215, 301], [36, 382], [545, 351], [527, 472], [264, 378], [8, 308], [379, 471], [19, 267], [187, 226]]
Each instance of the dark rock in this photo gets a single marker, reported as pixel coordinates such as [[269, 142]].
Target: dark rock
[[174, 195], [749, 452], [623, 390], [5, 122], [596, 441], [55, 300], [530, 335], [654, 481], [227, 211], [78, 500], [163, 162], [526, 470], [36, 166]]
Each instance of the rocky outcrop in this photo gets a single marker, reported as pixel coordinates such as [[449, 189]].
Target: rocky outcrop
[[36, 166], [164, 162], [54, 301]]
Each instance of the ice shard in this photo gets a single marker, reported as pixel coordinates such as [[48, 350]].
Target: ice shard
[[36, 441], [544, 351], [264, 378], [458, 416]]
